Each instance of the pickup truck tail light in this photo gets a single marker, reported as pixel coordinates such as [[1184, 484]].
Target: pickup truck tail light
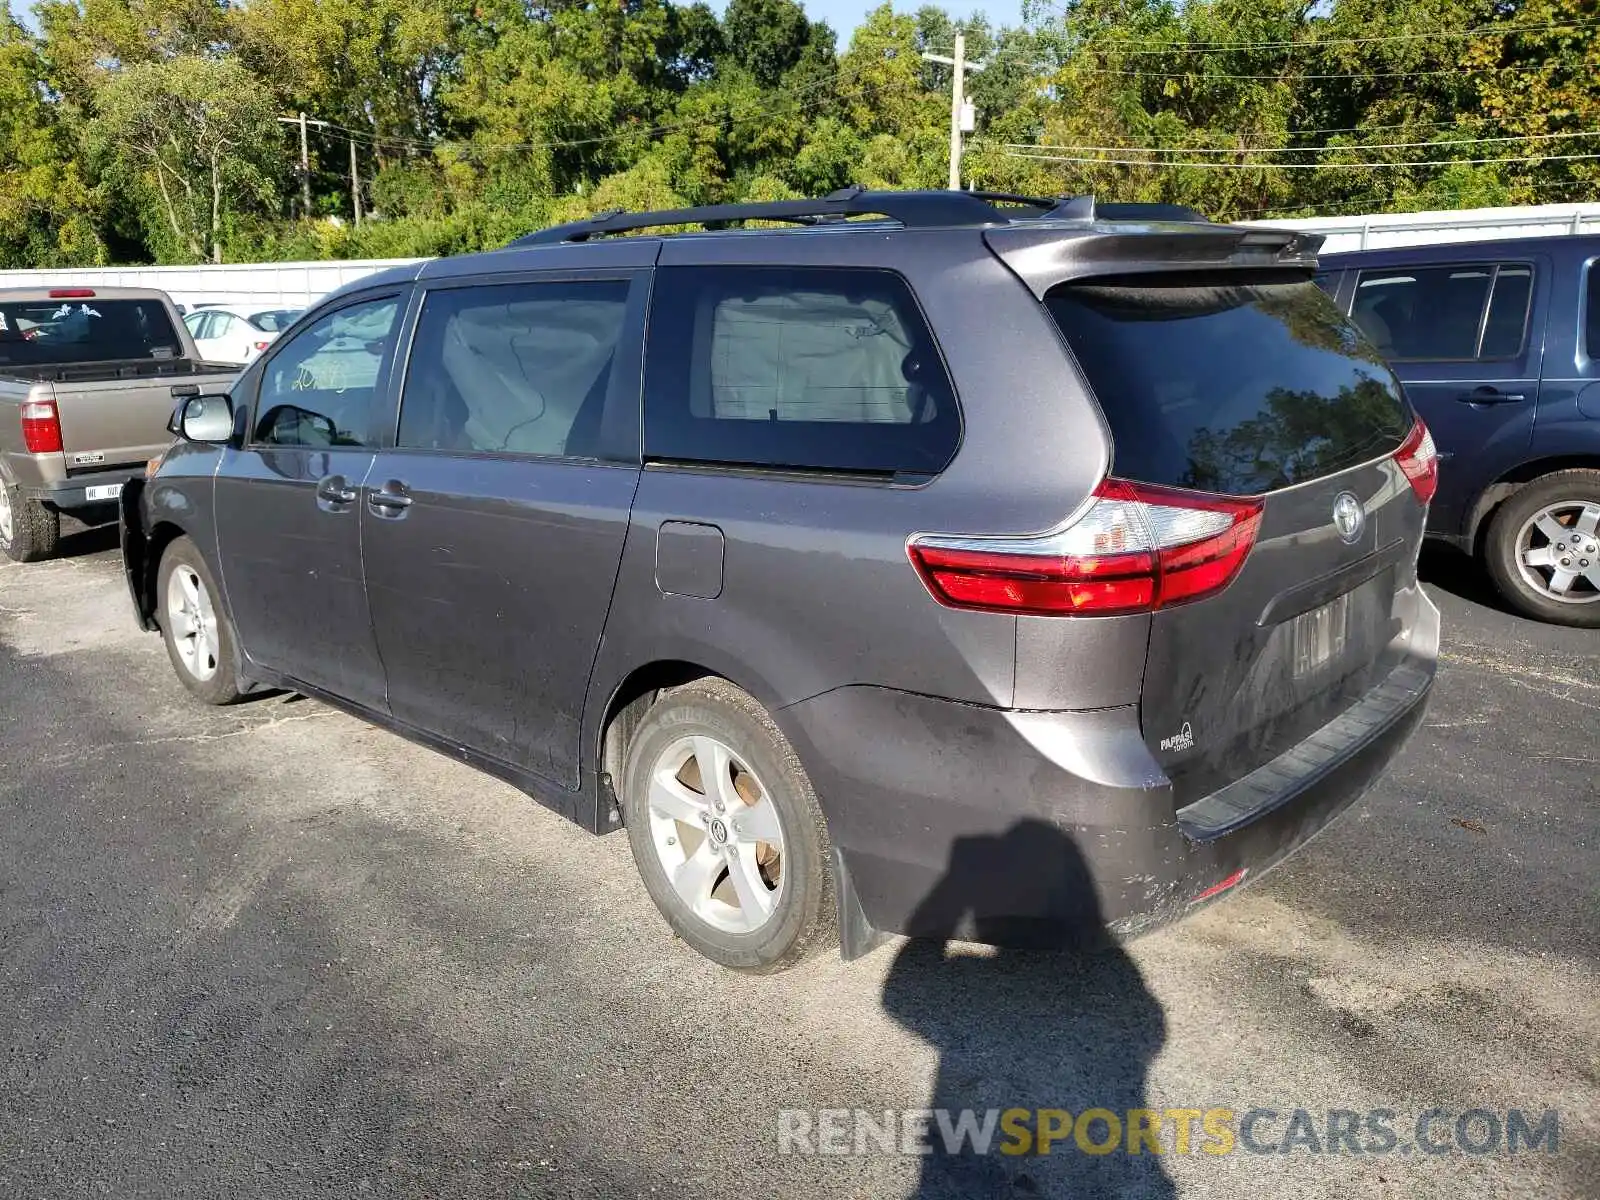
[[41, 427]]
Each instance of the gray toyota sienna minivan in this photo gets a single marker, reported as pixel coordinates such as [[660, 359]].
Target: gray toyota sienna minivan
[[812, 554]]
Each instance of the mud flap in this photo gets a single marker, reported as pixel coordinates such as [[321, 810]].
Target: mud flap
[[858, 937], [135, 553]]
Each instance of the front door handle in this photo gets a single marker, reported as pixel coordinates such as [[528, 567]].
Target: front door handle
[[334, 490], [1489, 395], [390, 500]]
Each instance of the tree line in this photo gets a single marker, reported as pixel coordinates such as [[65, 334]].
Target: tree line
[[166, 130]]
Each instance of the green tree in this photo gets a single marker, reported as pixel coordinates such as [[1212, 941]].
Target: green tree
[[196, 141], [1540, 82], [48, 213], [81, 36], [766, 37]]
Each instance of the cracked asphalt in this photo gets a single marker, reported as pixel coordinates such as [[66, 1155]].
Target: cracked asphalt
[[269, 951]]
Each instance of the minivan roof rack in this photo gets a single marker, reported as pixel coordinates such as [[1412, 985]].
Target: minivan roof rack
[[912, 209]]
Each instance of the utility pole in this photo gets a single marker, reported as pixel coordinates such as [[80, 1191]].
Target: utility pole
[[305, 172], [355, 184], [305, 156], [958, 78], [960, 110]]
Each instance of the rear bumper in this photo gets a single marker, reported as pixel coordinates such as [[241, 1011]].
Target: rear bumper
[[73, 492], [1027, 828]]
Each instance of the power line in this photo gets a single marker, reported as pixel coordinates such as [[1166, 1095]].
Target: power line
[[1201, 73], [1395, 125], [1297, 75], [1526, 137], [471, 147], [1155, 46], [1277, 166]]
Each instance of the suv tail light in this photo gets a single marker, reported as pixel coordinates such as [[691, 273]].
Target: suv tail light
[[41, 427], [261, 345], [1136, 548], [1420, 461]]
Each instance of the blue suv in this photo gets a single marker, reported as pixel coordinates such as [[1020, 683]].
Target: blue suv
[[1498, 346]]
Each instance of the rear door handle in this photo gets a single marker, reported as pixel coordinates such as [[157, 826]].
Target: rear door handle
[[1489, 395], [390, 500], [334, 490]]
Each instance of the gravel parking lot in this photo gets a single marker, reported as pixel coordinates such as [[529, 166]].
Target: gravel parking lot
[[270, 951]]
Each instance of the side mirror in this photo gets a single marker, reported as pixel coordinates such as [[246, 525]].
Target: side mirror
[[205, 419]]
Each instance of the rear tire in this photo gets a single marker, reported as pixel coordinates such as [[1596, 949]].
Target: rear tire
[[740, 870], [29, 531], [1543, 550], [195, 626]]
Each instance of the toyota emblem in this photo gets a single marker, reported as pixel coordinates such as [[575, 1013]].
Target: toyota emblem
[[1349, 518]]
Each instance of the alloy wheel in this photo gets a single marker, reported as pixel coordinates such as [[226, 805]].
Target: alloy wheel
[[717, 834], [192, 621], [1558, 552]]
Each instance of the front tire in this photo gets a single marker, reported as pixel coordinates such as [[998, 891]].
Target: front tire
[[29, 531], [194, 625], [1543, 549], [726, 831]]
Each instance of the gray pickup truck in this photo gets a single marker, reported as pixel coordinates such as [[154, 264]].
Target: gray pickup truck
[[88, 380]]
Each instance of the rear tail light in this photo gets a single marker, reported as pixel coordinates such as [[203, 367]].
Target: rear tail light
[[41, 427], [1420, 461], [262, 345], [1136, 548], [71, 293]]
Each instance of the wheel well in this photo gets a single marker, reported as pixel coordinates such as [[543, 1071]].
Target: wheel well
[[1513, 481], [628, 705]]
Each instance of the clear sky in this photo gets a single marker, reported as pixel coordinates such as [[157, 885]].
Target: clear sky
[[845, 15]]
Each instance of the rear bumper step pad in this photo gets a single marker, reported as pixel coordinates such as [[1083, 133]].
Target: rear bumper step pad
[[1280, 780]]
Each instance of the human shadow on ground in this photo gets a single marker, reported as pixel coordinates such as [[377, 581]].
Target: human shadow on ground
[[1068, 1029]]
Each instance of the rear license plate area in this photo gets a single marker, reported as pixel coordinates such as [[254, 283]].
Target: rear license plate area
[[1320, 637], [103, 491]]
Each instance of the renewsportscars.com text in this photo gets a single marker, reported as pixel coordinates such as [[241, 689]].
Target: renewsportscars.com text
[[1216, 1131]]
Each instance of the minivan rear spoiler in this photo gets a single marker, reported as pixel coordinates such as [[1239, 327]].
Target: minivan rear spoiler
[[1044, 257]]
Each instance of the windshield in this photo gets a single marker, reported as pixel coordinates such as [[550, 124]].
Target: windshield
[[46, 332], [276, 320], [1228, 386]]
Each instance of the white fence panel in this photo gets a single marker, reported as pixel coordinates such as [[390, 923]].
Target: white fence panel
[[292, 285], [1432, 228], [297, 284]]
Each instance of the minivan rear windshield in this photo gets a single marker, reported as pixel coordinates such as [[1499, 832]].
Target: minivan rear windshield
[[46, 332], [1229, 385]]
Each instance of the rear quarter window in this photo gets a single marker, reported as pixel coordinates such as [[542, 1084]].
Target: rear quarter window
[[1229, 386], [795, 368], [1457, 313]]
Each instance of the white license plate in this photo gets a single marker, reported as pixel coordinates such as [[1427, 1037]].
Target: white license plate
[[1320, 635], [103, 491]]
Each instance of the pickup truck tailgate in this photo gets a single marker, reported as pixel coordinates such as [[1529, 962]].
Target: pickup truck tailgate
[[117, 422]]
